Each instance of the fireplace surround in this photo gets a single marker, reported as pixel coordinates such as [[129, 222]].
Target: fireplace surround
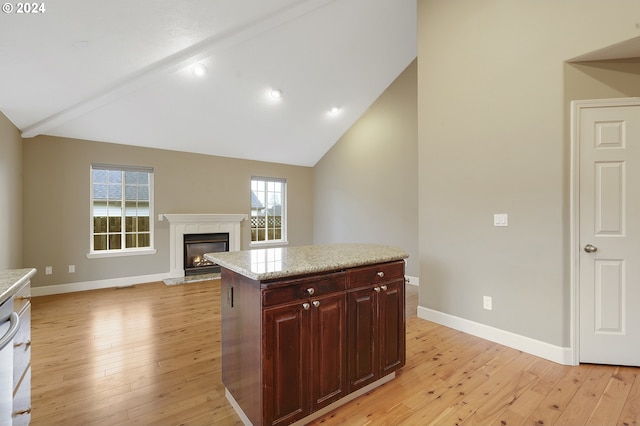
[[181, 224]]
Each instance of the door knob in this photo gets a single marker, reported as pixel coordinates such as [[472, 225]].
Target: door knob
[[589, 248]]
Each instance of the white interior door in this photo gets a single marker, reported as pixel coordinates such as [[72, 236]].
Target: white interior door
[[609, 233]]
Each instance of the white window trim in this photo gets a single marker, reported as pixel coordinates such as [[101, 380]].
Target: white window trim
[[121, 253], [136, 251], [284, 240]]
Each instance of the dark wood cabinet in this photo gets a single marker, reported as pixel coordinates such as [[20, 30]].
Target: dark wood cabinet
[[294, 346], [304, 353], [286, 363], [375, 323]]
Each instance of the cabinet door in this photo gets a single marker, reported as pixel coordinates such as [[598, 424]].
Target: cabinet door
[[328, 350], [286, 363], [391, 310], [362, 337]]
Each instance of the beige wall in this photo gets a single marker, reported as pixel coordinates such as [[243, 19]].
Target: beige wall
[[492, 114], [57, 206], [10, 195], [366, 186]]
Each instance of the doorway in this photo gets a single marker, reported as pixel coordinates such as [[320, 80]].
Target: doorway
[[605, 231]]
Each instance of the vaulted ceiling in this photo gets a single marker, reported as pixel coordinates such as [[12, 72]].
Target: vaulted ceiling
[[121, 71]]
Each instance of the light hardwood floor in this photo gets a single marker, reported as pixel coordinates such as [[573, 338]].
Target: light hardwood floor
[[150, 355]]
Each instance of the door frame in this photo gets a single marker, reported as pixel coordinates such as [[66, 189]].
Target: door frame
[[574, 212]]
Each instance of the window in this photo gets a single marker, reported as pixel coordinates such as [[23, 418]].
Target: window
[[268, 210], [121, 210]]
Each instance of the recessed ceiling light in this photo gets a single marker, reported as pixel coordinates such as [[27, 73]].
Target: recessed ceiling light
[[276, 93], [335, 110], [199, 70]]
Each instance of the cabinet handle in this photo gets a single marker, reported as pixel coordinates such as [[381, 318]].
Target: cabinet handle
[[306, 306], [23, 297], [381, 274], [21, 412], [27, 343], [230, 296], [14, 326], [316, 303], [310, 291], [384, 287], [377, 289]]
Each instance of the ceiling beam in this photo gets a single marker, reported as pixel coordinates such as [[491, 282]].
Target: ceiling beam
[[180, 60]]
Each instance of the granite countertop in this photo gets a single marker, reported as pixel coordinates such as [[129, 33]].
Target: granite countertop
[[281, 262], [11, 280]]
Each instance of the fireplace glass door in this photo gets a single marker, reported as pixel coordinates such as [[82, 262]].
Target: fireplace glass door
[[196, 245]]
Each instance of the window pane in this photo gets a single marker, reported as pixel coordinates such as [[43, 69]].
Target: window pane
[[115, 176], [143, 208], [115, 242], [100, 191], [130, 224], [144, 240], [131, 192], [115, 192], [143, 224], [143, 192], [99, 224], [100, 242], [130, 240], [100, 176], [115, 224], [131, 177], [114, 209]]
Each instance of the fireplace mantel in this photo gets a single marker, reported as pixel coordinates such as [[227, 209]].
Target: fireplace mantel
[[180, 224]]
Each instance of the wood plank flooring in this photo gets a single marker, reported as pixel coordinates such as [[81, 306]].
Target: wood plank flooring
[[150, 355]]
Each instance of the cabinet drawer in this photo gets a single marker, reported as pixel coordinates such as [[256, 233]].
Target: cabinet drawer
[[22, 298], [22, 345], [21, 414], [302, 289], [370, 275]]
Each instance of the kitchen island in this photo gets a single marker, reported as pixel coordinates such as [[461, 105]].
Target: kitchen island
[[307, 329]]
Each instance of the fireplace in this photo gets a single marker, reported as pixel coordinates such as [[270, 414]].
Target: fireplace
[[184, 224], [196, 245]]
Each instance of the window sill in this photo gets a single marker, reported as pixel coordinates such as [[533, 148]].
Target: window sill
[[121, 253], [266, 244]]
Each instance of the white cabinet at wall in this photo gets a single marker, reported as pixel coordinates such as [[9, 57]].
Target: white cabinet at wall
[[21, 414]]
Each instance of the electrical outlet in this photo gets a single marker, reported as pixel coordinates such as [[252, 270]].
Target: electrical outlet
[[501, 219], [487, 303], [48, 270], [72, 269]]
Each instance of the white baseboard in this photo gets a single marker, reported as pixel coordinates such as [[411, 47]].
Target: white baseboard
[[412, 280], [558, 354], [95, 285]]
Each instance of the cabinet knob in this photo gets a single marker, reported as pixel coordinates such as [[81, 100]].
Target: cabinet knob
[[310, 291], [381, 274], [306, 306], [316, 303], [384, 287], [377, 289]]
